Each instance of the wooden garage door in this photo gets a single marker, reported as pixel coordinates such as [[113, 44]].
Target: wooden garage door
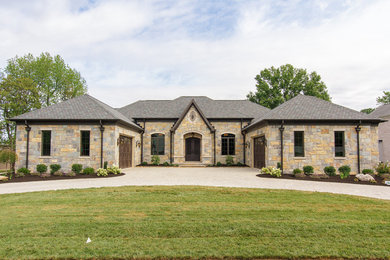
[[125, 151], [259, 152]]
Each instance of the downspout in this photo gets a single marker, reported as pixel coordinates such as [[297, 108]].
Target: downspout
[[215, 148], [172, 145], [243, 138], [358, 128], [28, 129], [142, 142], [281, 129], [101, 143]]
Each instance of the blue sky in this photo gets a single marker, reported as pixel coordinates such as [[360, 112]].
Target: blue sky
[[131, 50]]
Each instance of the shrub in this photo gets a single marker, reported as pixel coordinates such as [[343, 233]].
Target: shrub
[[59, 173], [278, 165], [229, 160], [77, 168], [372, 181], [166, 163], [8, 156], [308, 169], [144, 163], [24, 171], [101, 172], [240, 164], [70, 174], [275, 172], [219, 164], [330, 171], [41, 168], [54, 168], [155, 160], [368, 171], [344, 171], [113, 170], [105, 165], [382, 168], [297, 171], [88, 171]]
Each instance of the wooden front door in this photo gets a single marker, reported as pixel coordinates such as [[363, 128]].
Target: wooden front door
[[192, 149], [259, 152], [125, 151]]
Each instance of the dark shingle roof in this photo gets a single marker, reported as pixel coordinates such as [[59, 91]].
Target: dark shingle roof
[[312, 108], [80, 108], [211, 108], [381, 111]]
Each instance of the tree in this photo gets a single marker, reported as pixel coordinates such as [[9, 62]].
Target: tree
[[385, 99], [367, 110], [54, 79], [17, 96], [277, 85]]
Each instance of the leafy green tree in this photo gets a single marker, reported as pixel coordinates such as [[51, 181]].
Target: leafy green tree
[[17, 96], [385, 99], [54, 79], [277, 85], [367, 110]]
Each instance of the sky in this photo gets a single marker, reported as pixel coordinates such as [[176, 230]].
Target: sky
[[132, 50]]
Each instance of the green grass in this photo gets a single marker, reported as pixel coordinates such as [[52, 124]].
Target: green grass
[[193, 222]]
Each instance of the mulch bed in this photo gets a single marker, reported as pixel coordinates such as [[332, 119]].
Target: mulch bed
[[28, 178], [350, 179]]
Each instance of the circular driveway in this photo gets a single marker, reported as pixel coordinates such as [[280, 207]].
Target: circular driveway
[[208, 176]]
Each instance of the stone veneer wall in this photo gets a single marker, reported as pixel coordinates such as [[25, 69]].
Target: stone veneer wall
[[65, 146], [229, 128], [319, 146], [384, 135], [136, 144], [155, 127], [196, 126]]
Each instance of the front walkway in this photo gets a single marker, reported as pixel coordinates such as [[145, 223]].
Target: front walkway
[[223, 177]]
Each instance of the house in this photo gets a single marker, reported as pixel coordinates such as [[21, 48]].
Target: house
[[197, 130], [383, 132]]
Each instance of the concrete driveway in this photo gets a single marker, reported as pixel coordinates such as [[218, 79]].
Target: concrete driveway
[[218, 177]]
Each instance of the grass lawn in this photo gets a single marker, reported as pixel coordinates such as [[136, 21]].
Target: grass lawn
[[193, 222]]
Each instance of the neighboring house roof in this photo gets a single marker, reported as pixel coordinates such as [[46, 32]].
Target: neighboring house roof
[[309, 108], [381, 111], [211, 108], [80, 108]]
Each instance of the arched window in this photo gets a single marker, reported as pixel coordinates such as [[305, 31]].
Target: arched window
[[228, 144], [158, 144]]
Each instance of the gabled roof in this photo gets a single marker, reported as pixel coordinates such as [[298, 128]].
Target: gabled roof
[[309, 108], [381, 111], [192, 103], [211, 108], [80, 108]]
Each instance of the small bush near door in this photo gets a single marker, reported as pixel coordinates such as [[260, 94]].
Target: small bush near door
[[229, 160], [41, 168], [88, 171], [330, 171], [54, 168], [77, 168], [308, 169], [155, 160], [344, 171]]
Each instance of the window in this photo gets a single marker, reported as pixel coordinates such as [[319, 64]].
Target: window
[[299, 144], [158, 144], [339, 144], [84, 143], [46, 143], [228, 144]]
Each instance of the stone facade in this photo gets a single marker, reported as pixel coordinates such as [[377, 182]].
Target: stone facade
[[156, 127], [384, 140], [65, 145], [318, 145], [198, 126]]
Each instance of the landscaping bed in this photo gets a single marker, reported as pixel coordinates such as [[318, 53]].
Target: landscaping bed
[[349, 179], [28, 178]]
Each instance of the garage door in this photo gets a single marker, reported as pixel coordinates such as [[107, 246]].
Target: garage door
[[259, 152], [125, 151]]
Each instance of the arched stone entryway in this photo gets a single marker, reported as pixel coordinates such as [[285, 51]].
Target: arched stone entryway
[[192, 146]]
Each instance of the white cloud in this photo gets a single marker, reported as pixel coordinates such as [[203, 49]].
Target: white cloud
[[159, 50]]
